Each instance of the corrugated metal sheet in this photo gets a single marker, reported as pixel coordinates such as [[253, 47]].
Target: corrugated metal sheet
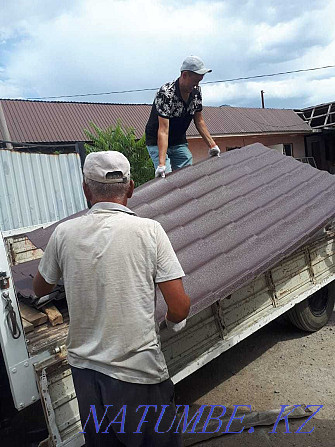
[[40, 121], [232, 218], [38, 188], [240, 120]]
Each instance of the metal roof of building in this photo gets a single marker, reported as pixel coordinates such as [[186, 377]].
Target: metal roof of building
[[241, 120], [231, 218], [42, 121]]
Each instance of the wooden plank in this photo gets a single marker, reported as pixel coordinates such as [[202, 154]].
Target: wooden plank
[[53, 314], [32, 315], [27, 327], [44, 337]]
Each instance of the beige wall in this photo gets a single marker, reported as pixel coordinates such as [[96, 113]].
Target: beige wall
[[199, 149]]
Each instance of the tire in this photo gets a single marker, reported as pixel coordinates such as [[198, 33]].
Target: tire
[[314, 312]]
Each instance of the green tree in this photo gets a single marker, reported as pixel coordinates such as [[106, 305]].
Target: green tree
[[118, 139]]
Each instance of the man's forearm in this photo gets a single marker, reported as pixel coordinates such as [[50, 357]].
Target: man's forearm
[[162, 142], [40, 286], [204, 132]]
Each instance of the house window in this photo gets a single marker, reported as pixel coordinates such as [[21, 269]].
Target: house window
[[288, 149]]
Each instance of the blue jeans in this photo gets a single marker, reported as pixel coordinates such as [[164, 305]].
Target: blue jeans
[[176, 157]]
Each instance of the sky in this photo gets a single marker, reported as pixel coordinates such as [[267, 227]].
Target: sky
[[75, 47]]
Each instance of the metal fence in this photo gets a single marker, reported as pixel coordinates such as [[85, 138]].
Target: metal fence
[[38, 188], [309, 160]]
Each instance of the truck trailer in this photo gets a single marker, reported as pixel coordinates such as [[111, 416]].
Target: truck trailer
[[254, 232]]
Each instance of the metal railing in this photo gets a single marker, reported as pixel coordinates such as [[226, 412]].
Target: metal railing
[[308, 160]]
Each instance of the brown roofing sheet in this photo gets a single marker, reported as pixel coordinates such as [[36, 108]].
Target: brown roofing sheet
[[23, 275], [40, 121], [231, 218], [241, 120]]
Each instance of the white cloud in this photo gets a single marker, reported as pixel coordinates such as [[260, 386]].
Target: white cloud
[[295, 92], [9, 90], [60, 48]]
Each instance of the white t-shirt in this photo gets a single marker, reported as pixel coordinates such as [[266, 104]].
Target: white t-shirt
[[110, 261]]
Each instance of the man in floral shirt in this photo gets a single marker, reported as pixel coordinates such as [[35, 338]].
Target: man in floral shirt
[[175, 105]]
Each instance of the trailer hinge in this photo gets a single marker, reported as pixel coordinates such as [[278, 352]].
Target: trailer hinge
[[218, 317], [308, 260], [11, 318], [4, 280], [56, 438], [271, 288], [60, 351]]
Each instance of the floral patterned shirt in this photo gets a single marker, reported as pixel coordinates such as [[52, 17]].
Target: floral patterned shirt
[[169, 104]]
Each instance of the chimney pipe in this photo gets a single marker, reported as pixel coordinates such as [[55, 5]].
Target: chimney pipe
[[262, 96]]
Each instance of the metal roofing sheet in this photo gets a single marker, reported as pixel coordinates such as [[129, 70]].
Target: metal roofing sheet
[[38, 188], [40, 121], [231, 218], [23, 277]]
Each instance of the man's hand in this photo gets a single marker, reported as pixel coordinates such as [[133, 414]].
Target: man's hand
[[214, 151], [178, 304], [160, 171], [175, 327]]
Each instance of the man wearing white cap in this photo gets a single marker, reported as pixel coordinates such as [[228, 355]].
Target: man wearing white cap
[[110, 261], [175, 105]]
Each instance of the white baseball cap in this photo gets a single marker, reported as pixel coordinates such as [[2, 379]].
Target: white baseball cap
[[107, 167], [195, 64]]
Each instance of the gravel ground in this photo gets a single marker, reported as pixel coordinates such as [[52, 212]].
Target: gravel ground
[[278, 365]]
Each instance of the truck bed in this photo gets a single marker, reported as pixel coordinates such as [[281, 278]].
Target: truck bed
[[208, 333]]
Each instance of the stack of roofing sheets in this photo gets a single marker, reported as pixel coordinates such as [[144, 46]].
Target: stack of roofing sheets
[[231, 218]]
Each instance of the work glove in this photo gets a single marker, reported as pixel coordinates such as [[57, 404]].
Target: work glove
[[214, 151], [175, 327], [160, 171]]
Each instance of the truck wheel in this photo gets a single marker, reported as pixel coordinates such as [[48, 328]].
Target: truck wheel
[[314, 312]]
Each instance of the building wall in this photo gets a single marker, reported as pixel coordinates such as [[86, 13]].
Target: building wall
[[321, 146], [199, 149]]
